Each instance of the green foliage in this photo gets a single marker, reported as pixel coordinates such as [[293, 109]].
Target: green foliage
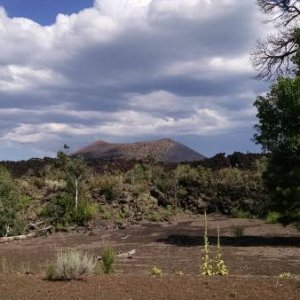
[[186, 175], [278, 114], [155, 217], [70, 265], [61, 211], [136, 174], [240, 214], [107, 185], [85, 212], [9, 205], [69, 204], [273, 217], [278, 131], [139, 189], [108, 260], [105, 212]]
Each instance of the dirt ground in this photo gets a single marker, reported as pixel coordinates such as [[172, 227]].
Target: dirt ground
[[255, 260]]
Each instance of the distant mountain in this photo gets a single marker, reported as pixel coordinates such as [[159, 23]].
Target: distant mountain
[[165, 150]]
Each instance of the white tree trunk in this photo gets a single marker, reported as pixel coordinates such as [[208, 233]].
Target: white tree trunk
[[76, 194]]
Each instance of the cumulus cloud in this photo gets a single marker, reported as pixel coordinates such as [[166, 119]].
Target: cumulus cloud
[[128, 70]]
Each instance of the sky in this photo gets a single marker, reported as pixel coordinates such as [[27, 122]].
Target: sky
[[76, 71]]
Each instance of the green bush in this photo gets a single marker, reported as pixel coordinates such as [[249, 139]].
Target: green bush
[[61, 210], [85, 212], [273, 217], [106, 185], [9, 205], [70, 265], [186, 175], [108, 260], [136, 174], [154, 217], [139, 189], [241, 214], [105, 212]]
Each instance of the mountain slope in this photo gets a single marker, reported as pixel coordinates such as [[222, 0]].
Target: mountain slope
[[165, 150]]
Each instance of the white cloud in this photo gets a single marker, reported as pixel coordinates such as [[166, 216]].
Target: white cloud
[[128, 68]]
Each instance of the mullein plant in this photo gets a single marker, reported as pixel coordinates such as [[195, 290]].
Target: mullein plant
[[220, 267], [206, 267]]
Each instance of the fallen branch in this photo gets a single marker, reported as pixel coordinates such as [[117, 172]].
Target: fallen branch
[[128, 254], [40, 232], [17, 237]]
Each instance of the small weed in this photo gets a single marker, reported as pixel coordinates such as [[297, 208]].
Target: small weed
[[285, 276], [238, 231], [155, 271], [108, 260]]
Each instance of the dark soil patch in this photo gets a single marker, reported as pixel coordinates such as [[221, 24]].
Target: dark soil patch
[[145, 287], [264, 251]]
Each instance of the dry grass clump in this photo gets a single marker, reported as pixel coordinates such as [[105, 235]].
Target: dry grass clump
[[70, 265]]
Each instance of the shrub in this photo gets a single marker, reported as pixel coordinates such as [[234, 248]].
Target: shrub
[[105, 212], [70, 265], [154, 217], [108, 260], [139, 189], [107, 185], [241, 214], [136, 174], [9, 205], [61, 210], [273, 217], [85, 212], [186, 175]]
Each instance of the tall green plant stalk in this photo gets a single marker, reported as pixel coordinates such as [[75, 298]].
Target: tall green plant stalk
[[221, 268], [206, 266]]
